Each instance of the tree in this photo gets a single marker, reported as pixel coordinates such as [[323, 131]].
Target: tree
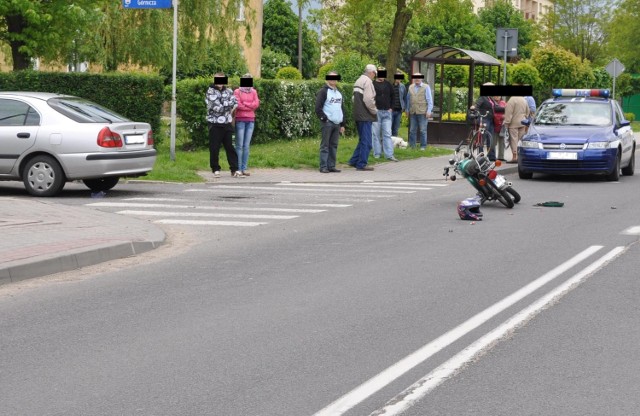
[[36, 28], [559, 68], [502, 14], [104, 32], [280, 33], [368, 27], [624, 35], [579, 26], [453, 23]]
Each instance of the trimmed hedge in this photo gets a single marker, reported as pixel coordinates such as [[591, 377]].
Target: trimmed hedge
[[287, 108], [138, 97]]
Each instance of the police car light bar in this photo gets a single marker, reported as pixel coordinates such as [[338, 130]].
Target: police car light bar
[[567, 92]]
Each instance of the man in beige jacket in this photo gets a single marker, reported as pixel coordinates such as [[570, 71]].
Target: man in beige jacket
[[516, 111]]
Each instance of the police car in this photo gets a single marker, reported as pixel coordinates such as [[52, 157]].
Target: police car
[[578, 131]]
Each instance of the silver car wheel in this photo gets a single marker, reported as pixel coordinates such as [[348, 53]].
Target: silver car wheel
[[43, 176]]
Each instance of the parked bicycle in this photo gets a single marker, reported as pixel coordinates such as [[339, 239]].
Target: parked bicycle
[[478, 135]]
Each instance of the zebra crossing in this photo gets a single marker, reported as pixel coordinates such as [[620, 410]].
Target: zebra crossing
[[256, 205]]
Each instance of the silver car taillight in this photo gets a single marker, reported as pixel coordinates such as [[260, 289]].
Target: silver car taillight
[[107, 138]]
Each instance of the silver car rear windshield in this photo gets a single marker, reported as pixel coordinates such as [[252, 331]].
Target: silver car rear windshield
[[569, 113], [84, 111]]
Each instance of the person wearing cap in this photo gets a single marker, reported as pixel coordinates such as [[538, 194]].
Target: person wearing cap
[[399, 102], [330, 111], [221, 104], [248, 103], [364, 114], [382, 126], [419, 107]]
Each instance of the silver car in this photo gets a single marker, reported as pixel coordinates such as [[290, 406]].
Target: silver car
[[49, 139]]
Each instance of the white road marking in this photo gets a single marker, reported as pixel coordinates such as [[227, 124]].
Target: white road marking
[[632, 230], [256, 202], [175, 206], [195, 222], [422, 387], [381, 380], [368, 186], [269, 188], [285, 191], [206, 214]]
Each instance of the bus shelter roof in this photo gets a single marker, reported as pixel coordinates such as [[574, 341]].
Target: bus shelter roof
[[449, 54]]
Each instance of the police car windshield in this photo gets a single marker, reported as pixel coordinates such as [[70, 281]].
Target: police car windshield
[[574, 113]]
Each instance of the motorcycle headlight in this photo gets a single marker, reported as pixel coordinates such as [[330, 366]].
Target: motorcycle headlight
[[528, 144], [598, 145]]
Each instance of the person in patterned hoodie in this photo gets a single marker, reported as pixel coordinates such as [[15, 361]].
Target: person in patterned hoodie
[[221, 105]]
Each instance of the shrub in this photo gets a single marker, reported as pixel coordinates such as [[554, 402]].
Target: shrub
[[271, 62], [287, 108], [350, 65], [630, 116], [288, 72], [324, 70]]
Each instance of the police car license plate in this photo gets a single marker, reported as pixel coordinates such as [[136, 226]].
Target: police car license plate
[[562, 155]]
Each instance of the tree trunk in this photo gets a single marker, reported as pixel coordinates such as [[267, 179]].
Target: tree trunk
[[21, 61], [400, 21]]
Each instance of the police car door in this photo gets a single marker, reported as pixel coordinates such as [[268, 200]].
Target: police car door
[[19, 124], [625, 134]]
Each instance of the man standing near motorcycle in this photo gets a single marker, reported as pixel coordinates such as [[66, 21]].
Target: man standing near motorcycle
[[516, 111]]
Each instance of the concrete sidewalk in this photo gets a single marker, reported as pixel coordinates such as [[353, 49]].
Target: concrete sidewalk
[[40, 237]]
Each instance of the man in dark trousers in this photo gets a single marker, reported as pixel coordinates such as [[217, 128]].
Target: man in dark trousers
[[221, 103], [364, 114], [330, 111], [382, 127]]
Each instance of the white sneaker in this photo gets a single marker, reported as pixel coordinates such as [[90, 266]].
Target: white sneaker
[[237, 174], [216, 174]]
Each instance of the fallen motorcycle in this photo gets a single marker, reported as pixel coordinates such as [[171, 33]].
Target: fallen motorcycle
[[481, 174]]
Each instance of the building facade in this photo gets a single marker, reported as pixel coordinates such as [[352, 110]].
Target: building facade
[[531, 9]]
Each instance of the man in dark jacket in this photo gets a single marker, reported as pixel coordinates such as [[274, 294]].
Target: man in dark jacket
[[364, 114], [382, 126], [330, 111]]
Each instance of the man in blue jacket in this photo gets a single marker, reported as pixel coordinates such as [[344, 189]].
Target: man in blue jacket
[[330, 111]]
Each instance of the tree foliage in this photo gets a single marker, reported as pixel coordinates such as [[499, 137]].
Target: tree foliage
[[579, 26], [624, 34], [280, 33], [36, 28], [453, 23], [104, 32], [559, 68], [271, 62]]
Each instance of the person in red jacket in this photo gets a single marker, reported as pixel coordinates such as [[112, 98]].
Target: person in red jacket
[[248, 103]]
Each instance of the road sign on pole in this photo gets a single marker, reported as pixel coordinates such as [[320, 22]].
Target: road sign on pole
[[164, 4], [506, 45], [614, 68], [146, 4]]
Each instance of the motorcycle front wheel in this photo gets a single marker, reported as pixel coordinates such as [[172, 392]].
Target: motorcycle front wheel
[[502, 196], [514, 194]]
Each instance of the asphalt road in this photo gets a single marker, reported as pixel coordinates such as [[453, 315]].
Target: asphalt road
[[340, 311]]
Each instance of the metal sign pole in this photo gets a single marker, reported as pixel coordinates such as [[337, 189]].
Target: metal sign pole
[[504, 73], [172, 153]]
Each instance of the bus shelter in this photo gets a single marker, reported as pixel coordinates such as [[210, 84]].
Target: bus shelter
[[482, 67]]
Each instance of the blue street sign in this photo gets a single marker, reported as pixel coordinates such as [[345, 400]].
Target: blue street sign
[[147, 4]]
